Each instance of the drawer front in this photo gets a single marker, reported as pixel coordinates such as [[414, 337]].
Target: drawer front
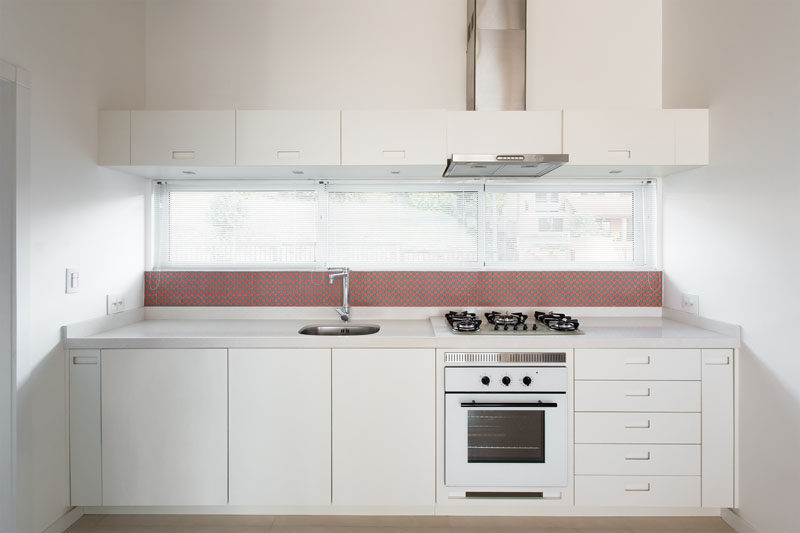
[[637, 459], [623, 364], [634, 428], [641, 491], [416, 137], [667, 396], [285, 137], [184, 138]]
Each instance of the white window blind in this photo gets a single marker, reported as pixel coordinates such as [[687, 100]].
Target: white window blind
[[252, 228], [396, 228], [555, 225]]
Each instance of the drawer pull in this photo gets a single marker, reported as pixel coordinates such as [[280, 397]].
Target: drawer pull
[[638, 456], [619, 154], [643, 360], [638, 392], [394, 154], [288, 155], [638, 424], [84, 360], [183, 154], [724, 360], [643, 487]]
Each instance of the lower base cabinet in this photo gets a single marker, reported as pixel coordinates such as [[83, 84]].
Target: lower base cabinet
[[280, 427], [384, 427], [164, 427], [638, 491]]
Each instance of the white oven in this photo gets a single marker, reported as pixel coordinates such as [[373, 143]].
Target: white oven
[[506, 426]]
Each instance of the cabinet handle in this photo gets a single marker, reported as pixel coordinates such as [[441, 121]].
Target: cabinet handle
[[638, 457], [619, 154], [288, 155], [638, 424], [638, 392], [722, 360], [84, 360], [183, 154], [394, 154], [643, 360], [643, 487]]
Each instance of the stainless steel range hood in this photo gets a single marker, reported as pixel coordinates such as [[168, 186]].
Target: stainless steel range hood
[[503, 166], [496, 82]]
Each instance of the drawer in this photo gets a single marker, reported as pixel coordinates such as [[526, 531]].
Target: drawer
[[634, 428], [669, 396], [637, 364], [642, 491], [638, 459]]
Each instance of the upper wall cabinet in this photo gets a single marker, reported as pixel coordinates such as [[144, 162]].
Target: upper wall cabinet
[[504, 132], [293, 138], [183, 138], [634, 142], [394, 140]]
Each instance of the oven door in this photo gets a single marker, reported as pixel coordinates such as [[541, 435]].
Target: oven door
[[505, 440]]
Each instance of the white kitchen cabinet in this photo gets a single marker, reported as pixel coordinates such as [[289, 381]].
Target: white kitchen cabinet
[[637, 428], [638, 491], [718, 429], [114, 138], [85, 479], [504, 132], [665, 396], [394, 138], [384, 427], [280, 426], [637, 364], [183, 138], [293, 138], [164, 426], [637, 459]]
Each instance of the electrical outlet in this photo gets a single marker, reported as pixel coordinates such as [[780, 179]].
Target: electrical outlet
[[73, 281], [114, 304], [690, 303]]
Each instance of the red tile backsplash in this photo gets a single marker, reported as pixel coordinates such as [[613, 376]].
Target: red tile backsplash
[[435, 289]]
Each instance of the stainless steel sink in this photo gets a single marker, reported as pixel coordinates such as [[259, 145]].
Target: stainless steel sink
[[344, 329]]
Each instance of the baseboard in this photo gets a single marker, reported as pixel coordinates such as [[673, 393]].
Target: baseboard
[[66, 520], [737, 522]]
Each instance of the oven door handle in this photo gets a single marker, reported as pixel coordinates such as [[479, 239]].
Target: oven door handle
[[533, 404]]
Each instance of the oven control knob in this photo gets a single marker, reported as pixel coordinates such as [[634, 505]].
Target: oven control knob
[[485, 380], [506, 381], [527, 380]]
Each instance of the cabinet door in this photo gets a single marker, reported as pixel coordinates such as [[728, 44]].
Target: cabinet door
[[287, 137], [393, 137], [718, 428], [619, 136], [384, 427], [280, 427], [503, 132], [164, 427], [190, 138], [85, 479]]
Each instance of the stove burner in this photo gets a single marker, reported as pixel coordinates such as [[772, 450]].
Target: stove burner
[[556, 321], [516, 320], [463, 321]]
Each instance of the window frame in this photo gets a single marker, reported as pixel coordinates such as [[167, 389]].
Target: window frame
[[647, 251]]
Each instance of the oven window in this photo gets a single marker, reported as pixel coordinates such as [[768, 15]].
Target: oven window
[[505, 436]]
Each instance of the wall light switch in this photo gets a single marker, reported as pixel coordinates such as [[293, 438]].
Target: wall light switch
[[690, 303], [114, 304], [73, 281]]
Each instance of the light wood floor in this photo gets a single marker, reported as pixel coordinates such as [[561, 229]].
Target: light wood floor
[[388, 524]]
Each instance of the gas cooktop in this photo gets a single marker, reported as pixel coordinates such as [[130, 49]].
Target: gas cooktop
[[503, 323]]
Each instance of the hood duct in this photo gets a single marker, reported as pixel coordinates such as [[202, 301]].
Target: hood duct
[[496, 55]]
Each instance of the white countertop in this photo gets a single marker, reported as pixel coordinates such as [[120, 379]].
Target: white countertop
[[599, 332]]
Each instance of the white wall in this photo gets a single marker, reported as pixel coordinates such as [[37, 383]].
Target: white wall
[[82, 54], [731, 230], [590, 53], [306, 54]]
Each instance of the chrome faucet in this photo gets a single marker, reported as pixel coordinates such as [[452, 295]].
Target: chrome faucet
[[344, 273]]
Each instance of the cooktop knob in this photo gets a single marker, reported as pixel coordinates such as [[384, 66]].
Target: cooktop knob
[[527, 380], [506, 381], [485, 380]]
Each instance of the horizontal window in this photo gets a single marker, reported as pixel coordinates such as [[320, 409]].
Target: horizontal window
[[532, 226]]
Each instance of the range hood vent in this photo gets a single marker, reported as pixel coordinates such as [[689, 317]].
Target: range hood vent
[[503, 166]]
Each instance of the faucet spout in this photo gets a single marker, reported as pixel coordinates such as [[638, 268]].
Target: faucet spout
[[344, 273]]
